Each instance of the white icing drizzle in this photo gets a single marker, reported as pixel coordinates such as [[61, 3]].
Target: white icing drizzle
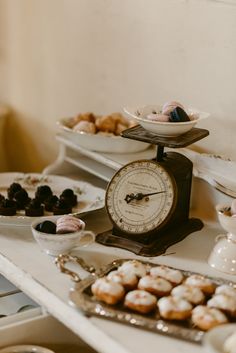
[[222, 301], [226, 289], [166, 304], [157, 283], [140, 297], [192, 294], [202, 312], [172, 275], [198, 281], [125, 278], [133, 266], [106, 286]]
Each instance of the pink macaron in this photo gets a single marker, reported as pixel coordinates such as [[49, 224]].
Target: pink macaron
[[157, 117], [68, 224], [168, 107]]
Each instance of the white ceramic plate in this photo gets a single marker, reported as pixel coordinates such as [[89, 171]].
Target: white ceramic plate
[[102, 143], [166, 129], [215, 338], [26, 348], [89, 197]]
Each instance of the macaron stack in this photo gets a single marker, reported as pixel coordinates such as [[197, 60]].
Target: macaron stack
[[63, 225], [172, 112]]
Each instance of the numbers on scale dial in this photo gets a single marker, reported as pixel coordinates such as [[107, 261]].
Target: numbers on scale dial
[[140, 197]]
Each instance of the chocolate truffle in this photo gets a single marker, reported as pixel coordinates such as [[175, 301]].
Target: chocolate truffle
[[50, 202], [34, 208], [8, 207], [61, 207], [21, 198], [43, 192], [13, 188], [69, 197]]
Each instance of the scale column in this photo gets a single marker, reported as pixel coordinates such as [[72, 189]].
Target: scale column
[[160, 153]]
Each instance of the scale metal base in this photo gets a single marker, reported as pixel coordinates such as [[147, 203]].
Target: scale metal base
[[158, 246]]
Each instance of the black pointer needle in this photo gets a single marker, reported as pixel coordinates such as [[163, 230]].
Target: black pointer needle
[[140, 196]]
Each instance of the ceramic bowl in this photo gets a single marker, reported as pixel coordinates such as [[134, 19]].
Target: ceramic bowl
[[223, 255], [56, 244], [214, 340], [102, 143], [165, 129], [26, 348]]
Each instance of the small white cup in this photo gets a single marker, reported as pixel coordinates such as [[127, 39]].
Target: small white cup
[[223, 255], [25, 348], [56, 244]]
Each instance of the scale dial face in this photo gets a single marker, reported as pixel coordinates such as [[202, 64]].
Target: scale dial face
[[141, 197]]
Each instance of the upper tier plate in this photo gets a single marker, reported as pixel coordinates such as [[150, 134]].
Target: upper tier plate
[[100, 142], [89, 197]]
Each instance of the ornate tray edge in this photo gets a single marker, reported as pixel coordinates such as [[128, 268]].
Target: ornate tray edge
[[82, 301]]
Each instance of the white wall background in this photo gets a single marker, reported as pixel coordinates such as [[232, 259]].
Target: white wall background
[[61, 57]]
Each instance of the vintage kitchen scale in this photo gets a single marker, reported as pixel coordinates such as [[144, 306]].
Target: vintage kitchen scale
[[148, 201]]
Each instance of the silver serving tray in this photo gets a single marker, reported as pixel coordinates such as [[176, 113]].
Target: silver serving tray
[[82, 298]]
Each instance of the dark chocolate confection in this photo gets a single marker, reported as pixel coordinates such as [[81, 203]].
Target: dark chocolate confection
[[68, 196], [21, 197], [43, 192], [2, 198], [13, 188], [8, 207], [178, 115], [50, 202], [46, 227], [61, 207], [34, 208]]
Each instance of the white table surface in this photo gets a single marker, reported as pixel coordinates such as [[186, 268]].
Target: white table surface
[[25, 265]]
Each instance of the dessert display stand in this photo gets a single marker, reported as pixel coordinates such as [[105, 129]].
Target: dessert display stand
[[28, 268], [102, 165]]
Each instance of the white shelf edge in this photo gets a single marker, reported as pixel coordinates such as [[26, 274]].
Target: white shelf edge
[[96, 169]]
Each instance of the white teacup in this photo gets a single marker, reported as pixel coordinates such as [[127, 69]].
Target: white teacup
[[223, 255], [56, 244], [26, 348]]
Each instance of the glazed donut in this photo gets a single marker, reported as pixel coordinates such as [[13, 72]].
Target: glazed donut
[[224, 302], [106, 123], [127, 279], [174, 308], [86, 117], [226, 289], [119, 128], [173, 276], [140, 301], [155, 285], [90, 117], [133, 266], [205, 284], [193, 294], [206, 318], [85, 126], [108, 291]]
